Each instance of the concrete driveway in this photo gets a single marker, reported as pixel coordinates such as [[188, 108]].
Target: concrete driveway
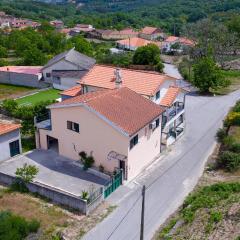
[[55, 171]]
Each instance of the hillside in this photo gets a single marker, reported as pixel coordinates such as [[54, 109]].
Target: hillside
[[168, 14]]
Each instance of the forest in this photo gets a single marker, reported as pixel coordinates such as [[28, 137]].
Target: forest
[[171, 15]]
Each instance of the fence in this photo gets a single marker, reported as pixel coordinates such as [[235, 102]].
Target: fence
[[59, 196]]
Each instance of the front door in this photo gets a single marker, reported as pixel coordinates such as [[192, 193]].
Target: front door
[[14, 148]]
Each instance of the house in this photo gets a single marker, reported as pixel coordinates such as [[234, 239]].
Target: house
[[24, 23], [30, 76], [178, 44], [58, 24], [173, 121], [118, 127], [113, 34], [10, 140], [133, 44], [81, 28], [65, 69], [151, 85], [152, 33]]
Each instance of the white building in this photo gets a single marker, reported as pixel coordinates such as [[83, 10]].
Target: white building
[[10, 140], [65, 69]]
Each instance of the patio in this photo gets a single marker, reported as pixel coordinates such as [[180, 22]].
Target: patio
[[56, 171]]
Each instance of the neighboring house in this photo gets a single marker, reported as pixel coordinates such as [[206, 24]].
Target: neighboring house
[[151, 85], [58, 24], [119, 128], [152, 33], [132, 44], [65, 69], [113, 34], [81, 28], [10, 140], [177, 44], [30, 76], [24, 23], [71, 92], [173, 121]]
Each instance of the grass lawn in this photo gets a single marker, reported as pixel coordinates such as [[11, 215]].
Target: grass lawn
[[50, 94], [234, 77], [12, 91]]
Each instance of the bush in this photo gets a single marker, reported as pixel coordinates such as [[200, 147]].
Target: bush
[[235, 147], [85, 195], [87, 161], [228, 141], [230, 161], [15, 227], [27, 173], [233, 118], [221, 134], [9, 106], [159, 67]]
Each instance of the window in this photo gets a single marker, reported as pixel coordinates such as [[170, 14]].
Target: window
[[73, 126], [48, 75], [133, 141], [157, 95], [157, 123]]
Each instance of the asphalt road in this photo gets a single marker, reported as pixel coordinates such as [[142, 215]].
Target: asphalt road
[[171, 178]]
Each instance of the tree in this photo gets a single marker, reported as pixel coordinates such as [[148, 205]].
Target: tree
[[147, 55], [34, 57], [3, 52], [82, 45], [207, 75], [27, 173]]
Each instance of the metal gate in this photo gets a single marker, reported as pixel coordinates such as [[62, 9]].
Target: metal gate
[[116, 181]]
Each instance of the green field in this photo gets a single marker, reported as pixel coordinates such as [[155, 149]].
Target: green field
[[50, 94]]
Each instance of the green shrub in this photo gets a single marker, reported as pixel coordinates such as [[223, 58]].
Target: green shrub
[[235, 147], [15, 227], [27, 173], [86, 160], [85, 195], [159, 67], [236, 108], [9, 106], [233, 118], [228, 141], [33, 226], [221, 134], [229, 160], [207, 197]]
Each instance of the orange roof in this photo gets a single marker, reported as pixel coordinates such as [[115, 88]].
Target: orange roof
[[134, 42], [149, 30], [143, 82], [8, 127], [123, 108], [72, 92], [170, 96], [171, 39], [186, 41]]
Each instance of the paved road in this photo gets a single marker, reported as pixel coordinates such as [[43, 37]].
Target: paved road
[[169, 179]]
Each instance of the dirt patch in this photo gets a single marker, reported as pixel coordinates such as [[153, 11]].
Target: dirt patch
[[54, 219]]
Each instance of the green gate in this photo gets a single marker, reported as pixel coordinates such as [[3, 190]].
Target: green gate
[[114, 184]]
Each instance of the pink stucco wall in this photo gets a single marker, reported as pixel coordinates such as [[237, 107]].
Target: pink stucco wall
[[99, 138]]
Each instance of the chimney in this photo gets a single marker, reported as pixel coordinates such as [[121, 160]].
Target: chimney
[[118, 78]]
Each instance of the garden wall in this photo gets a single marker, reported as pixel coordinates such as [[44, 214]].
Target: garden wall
[[58, 196]]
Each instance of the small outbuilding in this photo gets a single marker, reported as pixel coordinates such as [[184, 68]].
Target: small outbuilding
[[10, 140]]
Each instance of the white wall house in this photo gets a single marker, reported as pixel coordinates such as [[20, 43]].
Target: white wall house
[[65, 69], [10, 140]]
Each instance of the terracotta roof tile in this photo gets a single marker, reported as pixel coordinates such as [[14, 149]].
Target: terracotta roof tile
[[72, 92], [150, 30], [8, 127], [142, 82], [170, 96], [123, 107], [134, 42]]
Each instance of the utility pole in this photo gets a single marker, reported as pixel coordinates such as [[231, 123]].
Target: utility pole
[[142, 214]]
